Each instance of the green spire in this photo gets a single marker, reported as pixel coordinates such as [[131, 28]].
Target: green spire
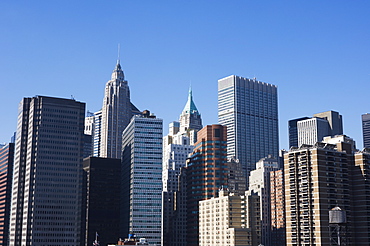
[[190, 107]]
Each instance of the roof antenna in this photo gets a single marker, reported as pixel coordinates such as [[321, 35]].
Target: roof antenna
[[119, 50]]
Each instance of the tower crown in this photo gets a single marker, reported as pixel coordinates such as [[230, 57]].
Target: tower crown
[[118, 73], [190, 107]]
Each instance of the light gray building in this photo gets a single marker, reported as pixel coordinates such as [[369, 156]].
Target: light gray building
[[249, 109], [366, 130], [142, 177], [46, 197]]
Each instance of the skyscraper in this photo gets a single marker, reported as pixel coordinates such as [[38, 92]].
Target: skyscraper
[[46, 198], [249, 109], [116, 113], [366, 130], [293, 131], [206, 173], [177, 145], [142, 177], [6, 175]]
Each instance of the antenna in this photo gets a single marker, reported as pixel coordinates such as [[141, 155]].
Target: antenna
[[119, 50]]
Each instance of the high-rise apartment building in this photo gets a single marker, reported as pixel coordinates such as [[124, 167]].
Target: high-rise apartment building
[[177, 145], [249, 109], [259, 182], [308, 130], [366, 130], [230, 219], [206, 173], [46, 195], [116, 113], [277, 205], [142, 177], [101, 200], [318, 178], [6, 175]]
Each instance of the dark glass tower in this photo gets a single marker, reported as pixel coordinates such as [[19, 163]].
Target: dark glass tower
[[366, 130]]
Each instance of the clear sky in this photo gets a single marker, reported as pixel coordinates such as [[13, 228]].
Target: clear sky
[[316, 52]]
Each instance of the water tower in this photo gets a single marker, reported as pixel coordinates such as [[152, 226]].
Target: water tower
[[337, 226]]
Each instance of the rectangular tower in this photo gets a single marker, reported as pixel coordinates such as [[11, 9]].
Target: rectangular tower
[[6, 175], [249, 109], [142, 177], [46, 198], [366, 130]]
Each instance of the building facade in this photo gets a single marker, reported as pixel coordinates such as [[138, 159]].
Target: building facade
[[142, 178], [366, 130], [206, 173], [116, 113], [46, 198], [293, 131], [6, 175], [277, 192], [101, 200], [249, 109], [228, 220]]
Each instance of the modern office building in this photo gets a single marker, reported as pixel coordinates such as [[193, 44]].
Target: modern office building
[[249, 109], [47, 180], [142, 178], [308, 130], [259, 183], [101, 200], [97, 133], [277, 199], [177, 146], [6, 175], [236, 180], [366, 130], [206, 173], [229, 219], [317, 179], [293, 131]]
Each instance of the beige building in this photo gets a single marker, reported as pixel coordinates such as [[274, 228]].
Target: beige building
[[319, 178], [230, 220]]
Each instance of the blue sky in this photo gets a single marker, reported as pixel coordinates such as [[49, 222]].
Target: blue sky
[[316, 52]]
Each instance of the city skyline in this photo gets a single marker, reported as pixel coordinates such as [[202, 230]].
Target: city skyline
[[316, 53]]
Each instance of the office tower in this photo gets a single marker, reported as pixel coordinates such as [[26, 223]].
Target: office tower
[[46, 198], [317, 179], [89, 123], [177, 145], [308, 130], [293, 131], [97, 133], [206, 173], [236, 180], [277, 208], [366, 130], [259, 182], [6, 175], [249, 109], [229, 219], [116, 113], [101, 200], [142, 177]]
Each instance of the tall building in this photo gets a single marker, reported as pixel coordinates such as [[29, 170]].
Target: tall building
[[101, 196], [6, 175], [229, 219], [293, 131], [142, 177], [308, 130], [97, 133], [177, 145], [206, 173], [46, 196], [259, 183], [249, 109], [366, 130], [116, 113], [277, 192], [318, 178]]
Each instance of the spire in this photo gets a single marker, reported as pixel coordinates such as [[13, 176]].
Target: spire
[[117, 72], [190, 107]]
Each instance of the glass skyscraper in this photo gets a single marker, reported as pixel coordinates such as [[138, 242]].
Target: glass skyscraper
[[249, 109]]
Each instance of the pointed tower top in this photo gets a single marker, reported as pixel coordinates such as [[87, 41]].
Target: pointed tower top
[[190, 107], [117, 72]]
